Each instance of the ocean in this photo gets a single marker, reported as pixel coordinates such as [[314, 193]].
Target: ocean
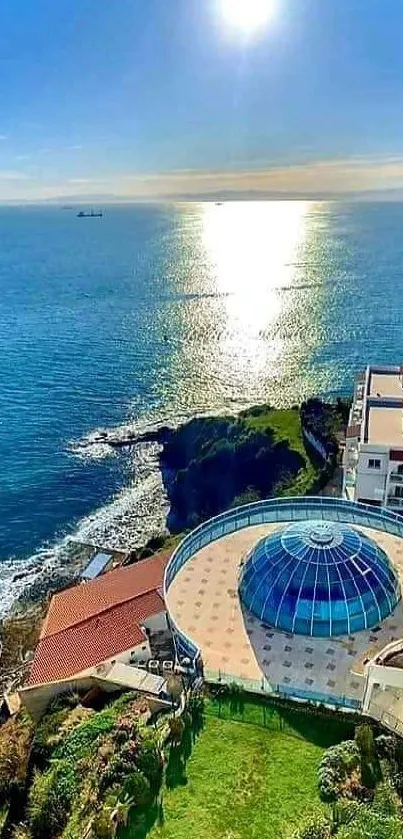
[[152, 314]]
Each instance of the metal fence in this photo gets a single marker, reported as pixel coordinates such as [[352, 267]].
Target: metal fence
[[257, 686], [385, 718], [264, 687]]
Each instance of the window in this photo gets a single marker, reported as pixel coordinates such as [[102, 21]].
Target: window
[[400, 469], [374, 464]]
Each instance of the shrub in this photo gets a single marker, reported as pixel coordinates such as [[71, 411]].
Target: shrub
[[255, 411], [103, 826], [149, 759], [248, 497], [176, 729], [79, 742], [344, 812], [46, 814], [106, 762], [47, 735], [316, 826], [113, 773], [371, 824], [196, 705], [386, 748], [15, 742], [397, 781], [337, 763], [20, 832], [385, 800], [137, 788], [50, 799]]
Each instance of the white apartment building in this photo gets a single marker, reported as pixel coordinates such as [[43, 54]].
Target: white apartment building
[[373, 456]]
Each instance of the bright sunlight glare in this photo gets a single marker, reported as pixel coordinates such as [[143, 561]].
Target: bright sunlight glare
[[247, 15]]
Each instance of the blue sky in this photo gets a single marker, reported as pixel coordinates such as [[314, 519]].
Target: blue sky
[[156, 97]]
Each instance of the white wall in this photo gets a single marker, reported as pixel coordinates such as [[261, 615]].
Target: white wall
[[371, 483], [139, 653], [385, 677], [37, 697], [157, 623]]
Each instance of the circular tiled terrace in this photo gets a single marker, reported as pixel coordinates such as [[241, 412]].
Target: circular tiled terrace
[[204, 603]]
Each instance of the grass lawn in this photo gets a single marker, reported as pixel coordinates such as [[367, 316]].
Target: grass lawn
[[286, 425], [242, 782]]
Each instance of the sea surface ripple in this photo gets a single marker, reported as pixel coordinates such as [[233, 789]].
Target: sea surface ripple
[[153, 314]]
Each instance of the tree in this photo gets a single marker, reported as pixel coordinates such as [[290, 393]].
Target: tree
[[249, 496], [364, 738], [174, 688]]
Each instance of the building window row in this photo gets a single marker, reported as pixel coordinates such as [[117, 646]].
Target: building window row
[[374, 463]]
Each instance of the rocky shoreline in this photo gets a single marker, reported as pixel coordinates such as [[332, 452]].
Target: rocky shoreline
[[208, 464], [124, 438]]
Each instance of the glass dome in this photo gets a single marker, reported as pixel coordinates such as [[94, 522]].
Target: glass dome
[[319, 578]]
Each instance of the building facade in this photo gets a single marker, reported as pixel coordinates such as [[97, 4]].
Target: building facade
[[98, 633], [373, 455]]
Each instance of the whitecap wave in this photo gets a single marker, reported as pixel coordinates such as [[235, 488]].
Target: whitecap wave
[[128, 521], [136, 514]]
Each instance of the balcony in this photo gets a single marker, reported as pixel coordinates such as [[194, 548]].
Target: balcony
[[395, 501], [395, 478]]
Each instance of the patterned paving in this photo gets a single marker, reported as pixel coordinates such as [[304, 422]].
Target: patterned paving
[[204, 601]]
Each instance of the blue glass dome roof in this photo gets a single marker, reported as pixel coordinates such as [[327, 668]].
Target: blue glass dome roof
[[319, 578]]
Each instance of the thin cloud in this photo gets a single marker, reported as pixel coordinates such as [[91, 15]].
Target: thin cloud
[[10, 175], [3, 137], [325, 176], [330, 178], [79, 181]]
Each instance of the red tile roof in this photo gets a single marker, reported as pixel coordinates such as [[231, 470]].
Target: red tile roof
[[95, 621], [88, 599]]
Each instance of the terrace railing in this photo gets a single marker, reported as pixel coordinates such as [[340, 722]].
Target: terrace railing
[[264, 687], [271, 511], [396, 478], [385, 718]]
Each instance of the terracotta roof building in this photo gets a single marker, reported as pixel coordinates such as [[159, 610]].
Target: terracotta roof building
[[100, 621]]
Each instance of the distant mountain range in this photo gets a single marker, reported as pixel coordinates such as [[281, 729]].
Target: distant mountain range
[[99, 199]]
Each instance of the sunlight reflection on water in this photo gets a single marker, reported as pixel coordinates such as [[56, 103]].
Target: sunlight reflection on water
[[251, 324]]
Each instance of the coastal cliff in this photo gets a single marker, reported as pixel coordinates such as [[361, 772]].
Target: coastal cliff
[[214, 463]]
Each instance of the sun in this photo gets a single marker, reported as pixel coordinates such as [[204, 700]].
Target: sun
[[247, 15]]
